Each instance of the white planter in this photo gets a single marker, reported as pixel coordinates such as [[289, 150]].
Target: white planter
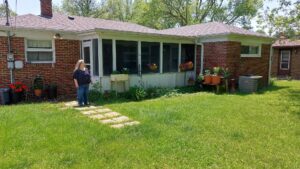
[[119, 77]]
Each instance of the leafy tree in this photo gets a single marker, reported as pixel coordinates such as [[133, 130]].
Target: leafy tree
[[283, 19], [79, 7], [3, 11]]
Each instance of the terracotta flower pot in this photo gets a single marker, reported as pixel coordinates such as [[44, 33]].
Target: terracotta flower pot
[[207, 79], [216, 80], [38, 92]]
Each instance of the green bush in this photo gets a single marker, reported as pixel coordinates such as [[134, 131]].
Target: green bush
[[137, 93], [94, 95]]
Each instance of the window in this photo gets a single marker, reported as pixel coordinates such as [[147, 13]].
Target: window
[[285, 60], [187, 53], [127, 56], [170, 57], [95, 58], [107, 56], [39, 51], [150, 57], [250, 51]]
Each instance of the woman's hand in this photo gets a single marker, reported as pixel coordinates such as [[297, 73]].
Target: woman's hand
[[76, 84]]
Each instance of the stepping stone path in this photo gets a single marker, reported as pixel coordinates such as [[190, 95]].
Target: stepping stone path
[[104, 115]]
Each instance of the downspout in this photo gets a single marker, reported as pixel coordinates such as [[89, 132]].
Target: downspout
[[270, 64]]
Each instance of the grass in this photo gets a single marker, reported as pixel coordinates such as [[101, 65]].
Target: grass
[[200, 130]]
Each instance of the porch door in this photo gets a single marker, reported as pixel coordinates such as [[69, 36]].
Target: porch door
[[285, 63], [87, 54]]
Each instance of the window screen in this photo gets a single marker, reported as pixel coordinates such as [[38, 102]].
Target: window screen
[[170, 57], [150, 57], [127, 56]]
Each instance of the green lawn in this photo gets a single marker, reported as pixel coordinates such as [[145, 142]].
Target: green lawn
[[200, 130]]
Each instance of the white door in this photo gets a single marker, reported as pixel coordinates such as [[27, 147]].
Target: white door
[[87, 54]]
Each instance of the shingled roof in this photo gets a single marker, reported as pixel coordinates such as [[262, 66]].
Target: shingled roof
[[78, 24], [210, 29], [287, 43]]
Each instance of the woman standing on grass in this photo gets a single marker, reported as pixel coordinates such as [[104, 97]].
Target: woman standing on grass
[[82, 80]]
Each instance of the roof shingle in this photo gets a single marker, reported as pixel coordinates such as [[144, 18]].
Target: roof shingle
[[61, 22]]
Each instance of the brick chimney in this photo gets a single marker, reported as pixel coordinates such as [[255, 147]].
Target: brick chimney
[[46, 8]]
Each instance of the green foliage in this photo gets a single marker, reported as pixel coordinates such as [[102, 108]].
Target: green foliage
[[38, 83], [283, 19], [3, 11], [137, 93], [161, 14], [95, 92]]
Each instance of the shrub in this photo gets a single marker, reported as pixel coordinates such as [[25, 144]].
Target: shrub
[[95, 92], [137, 93]]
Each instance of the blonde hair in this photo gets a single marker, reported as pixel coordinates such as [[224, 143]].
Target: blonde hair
[[78, 64]]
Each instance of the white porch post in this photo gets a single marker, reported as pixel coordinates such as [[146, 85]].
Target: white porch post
[[100, 54], [161, 51], [114, 55], [179, 56], [195, 58], [139, 57]]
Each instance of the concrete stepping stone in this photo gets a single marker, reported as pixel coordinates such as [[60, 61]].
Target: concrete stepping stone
[[107, 121], [111, 114], [91, 112], [97, 116], [86, 108], [117, 126], [131, 123], [103, 110], [71, 104], [121, 119]]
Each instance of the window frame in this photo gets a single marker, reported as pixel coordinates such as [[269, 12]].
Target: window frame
[[40, 50], [251, 55], [289, 60]]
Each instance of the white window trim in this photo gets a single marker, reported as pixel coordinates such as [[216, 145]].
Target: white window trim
[[252, 55], [40, 50], [289, 62]]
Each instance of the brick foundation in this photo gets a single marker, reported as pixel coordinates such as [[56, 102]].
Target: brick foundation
[[60, 73]]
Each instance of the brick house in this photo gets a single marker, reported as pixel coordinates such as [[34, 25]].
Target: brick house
[[50, 44], [286, 59]]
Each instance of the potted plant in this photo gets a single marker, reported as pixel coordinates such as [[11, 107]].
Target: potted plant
[[186, 66], [117, 76], [191, 81], [216, 78], [200, 80], [153, 67], [207, 77], [38, 86], [17, 91]]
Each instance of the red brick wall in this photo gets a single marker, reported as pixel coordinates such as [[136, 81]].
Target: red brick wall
[[46, 8], [227, 54], [60, 73], [294, 71]]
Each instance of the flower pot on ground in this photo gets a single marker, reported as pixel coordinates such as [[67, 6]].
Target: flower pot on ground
[[38, 86], [17, 91], [191, 81], [207, 77]]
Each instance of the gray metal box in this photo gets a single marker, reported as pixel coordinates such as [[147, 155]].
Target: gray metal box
[[249, 84]]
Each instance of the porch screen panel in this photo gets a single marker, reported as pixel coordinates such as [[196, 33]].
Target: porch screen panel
[[107, 57], [188, 53], [170, 57], [150, 57], [95, 57], [127, 56]]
